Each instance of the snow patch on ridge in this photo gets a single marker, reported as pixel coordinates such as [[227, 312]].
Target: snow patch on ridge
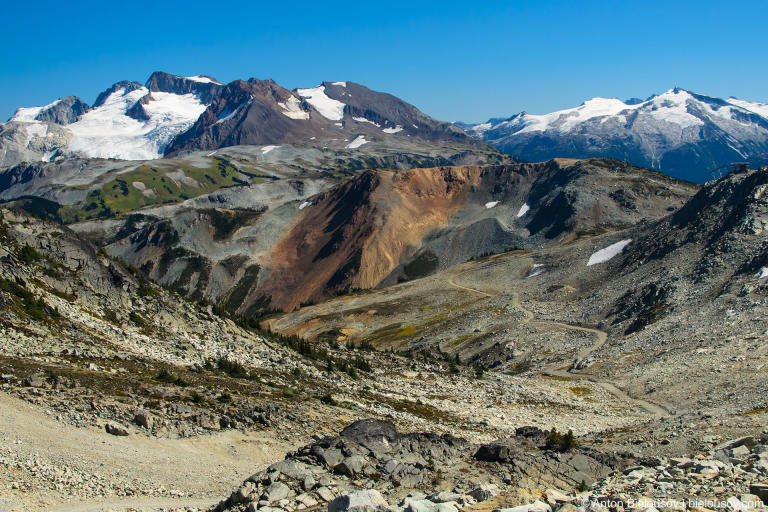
[[226, 115], [396, 129], [607, 253], [304, 205], [491, 204], [203, 79], [364, 120], [359, 141], [523, 210], [536, 269], [763, 273], [28, 114], [292, 108], [267, 149], [328, 108], [760, 109]]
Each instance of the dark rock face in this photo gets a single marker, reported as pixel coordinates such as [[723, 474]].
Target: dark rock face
[[391, 112], [248, 113], [126, 85], [66, 111], [165, 82]]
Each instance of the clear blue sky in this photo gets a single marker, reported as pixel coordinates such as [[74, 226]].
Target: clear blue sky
[[454, 60]]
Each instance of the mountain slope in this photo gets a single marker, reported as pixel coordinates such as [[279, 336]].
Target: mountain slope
[[679, 132], [671, 310], [282, 243]]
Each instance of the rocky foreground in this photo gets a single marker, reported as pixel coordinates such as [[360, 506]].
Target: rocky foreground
[[370, 466]]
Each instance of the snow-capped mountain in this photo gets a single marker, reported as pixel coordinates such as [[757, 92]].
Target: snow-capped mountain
[[263, 112], [679, 132], [170, 113]]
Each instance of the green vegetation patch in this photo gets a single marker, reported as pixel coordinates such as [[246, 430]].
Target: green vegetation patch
[[226, 222], [160, 186], [581, 391]]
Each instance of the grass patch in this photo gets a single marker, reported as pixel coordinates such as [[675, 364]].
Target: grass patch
[[558, 377], [161, 186], [406, 331], [580, 391], [754, 411]]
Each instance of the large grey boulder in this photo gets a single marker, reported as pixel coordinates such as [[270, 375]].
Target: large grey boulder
[[536, 506], [291, 469], [329, 456], [360, 501], [351, 466], [276, 492], [430, 506]]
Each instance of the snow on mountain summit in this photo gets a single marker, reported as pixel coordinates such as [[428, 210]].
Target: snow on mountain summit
[[109, 132], [328, 108], [680, 132]]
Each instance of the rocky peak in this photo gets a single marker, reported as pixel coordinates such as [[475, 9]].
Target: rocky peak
[[65, 111], [126, 85], [205, 87]]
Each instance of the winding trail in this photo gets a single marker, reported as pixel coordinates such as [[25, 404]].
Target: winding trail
[[654, 409]]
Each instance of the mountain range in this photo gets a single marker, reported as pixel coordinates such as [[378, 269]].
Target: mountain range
[[171, 114], [684, 134]]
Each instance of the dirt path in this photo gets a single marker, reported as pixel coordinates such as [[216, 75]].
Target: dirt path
[[601, 337], [36, 450]]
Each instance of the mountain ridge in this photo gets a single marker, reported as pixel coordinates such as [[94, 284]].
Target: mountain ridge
[[170, 115], [682, 133]]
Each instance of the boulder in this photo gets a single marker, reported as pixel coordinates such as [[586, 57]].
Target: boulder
[[430, 506], [324, 493], [554, 496], [371, 429], [116, 429], [484, 492], [276, 492], [331, 457], [360, 501], [494, 452], [445, 497], [308, 483], [536, 506], [740, 452], [36, 380], [291, 469], [351, 466], [747, 441], [143, 419]]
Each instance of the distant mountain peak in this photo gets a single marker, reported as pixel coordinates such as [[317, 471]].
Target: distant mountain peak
[[678, 131]]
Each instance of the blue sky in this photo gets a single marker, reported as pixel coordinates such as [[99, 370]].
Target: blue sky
[[453, 60]]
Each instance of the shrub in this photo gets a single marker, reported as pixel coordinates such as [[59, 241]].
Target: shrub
[[558, 442], [232, 368], [169, 378], [29, 255], [328, 400], [137, 319]]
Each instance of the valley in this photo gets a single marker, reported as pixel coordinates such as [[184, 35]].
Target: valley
[[239, 297]]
